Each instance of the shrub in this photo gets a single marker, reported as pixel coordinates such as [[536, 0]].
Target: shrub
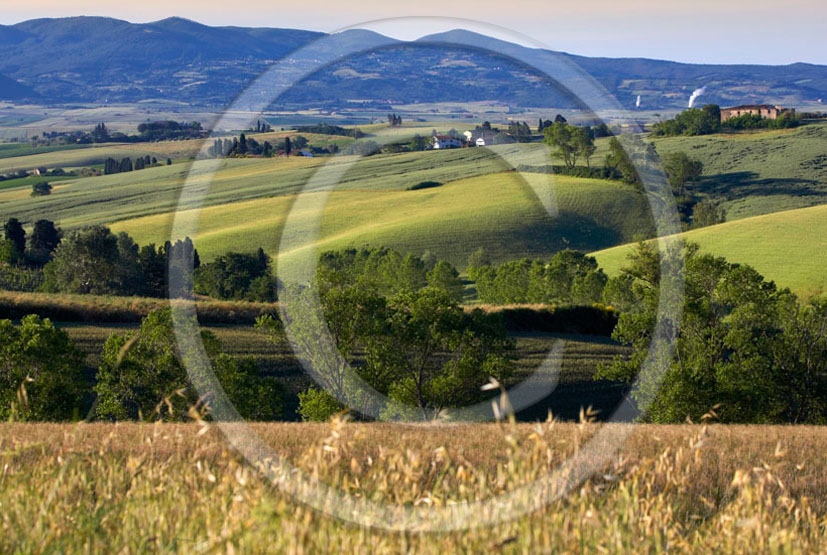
[[317, 405], [424, 185], [41, 189]]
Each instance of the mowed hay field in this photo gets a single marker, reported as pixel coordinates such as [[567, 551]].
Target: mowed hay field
[[789, 247], [181, 488], [509, 214]]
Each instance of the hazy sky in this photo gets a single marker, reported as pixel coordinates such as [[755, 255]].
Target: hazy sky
[[734, 31]]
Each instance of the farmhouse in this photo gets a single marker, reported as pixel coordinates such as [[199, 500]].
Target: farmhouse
[[446, 141], [767, 111]]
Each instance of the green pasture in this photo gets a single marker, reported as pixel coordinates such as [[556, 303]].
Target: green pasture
[[789, 247], [756, 173], [508, 214]]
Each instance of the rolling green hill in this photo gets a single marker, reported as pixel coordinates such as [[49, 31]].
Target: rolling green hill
[[759, 172], [787, 247], [500, 212]]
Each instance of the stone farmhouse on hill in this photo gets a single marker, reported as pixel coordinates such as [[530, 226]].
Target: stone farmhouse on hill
[[767, 111]]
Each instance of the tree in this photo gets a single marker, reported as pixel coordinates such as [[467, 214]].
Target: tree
[[141, 377], [14, 233], [707, 213], [100, 134], [287, 146], [680, 170], [477, 259], [446, 278], [233, 276], [620, 160], [740, 345], [41, 372], [571, 142], [438, 355], [93, 261], [45, 236]]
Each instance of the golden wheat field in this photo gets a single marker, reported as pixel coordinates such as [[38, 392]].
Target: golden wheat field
[[180, 488]]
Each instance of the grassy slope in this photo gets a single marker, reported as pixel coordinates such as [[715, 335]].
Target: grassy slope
[[500, 212], [760, 172], [150, 191], [787, 247]]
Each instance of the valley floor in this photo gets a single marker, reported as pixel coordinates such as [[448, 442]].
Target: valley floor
[[180, 488]]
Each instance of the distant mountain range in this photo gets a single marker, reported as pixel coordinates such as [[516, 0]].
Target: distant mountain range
[[94, 59]]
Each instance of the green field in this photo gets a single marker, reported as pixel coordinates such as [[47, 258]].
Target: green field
[[787, 247], [761, 172], [500, 212]]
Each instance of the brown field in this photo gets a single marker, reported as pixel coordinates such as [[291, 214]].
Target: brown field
[[178, 487]]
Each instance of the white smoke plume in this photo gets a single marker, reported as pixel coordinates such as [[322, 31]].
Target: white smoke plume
[[695, 94], [637, 103]]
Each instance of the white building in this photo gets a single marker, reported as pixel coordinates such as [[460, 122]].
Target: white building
[[445, 141]]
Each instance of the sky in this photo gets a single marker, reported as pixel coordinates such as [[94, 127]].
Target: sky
[[701, 31]]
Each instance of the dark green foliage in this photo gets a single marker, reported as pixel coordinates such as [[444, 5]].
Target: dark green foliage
[[744, 346], [693, 121], [41, 372], [41, 189], [445, 277], [14, 233], [424, 185], [141, 377], [94, 261], [569, 277], [435, 355], [706, 213], [327, 129], [571, 142], [577, 171], [582, 320], [237, 276], [681, 170], [384, 270], [754, 121], [88, 261], [170, 130], [318, 405]]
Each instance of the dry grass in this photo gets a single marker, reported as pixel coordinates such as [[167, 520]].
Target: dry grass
[[130, 487]]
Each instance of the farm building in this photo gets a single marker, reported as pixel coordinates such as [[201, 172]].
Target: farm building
[[767, 111], [446, 141]]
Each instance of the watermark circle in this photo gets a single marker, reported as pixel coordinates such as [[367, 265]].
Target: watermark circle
[[594, 454]]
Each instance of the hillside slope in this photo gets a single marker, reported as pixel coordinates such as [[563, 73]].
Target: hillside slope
[[500, 212], [789, 247]]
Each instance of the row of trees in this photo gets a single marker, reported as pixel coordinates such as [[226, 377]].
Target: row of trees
[[568, 278], [112, 165], [242, 146], [707, 120], [140, 376], [237, 276], [18, 249], [95, 261]]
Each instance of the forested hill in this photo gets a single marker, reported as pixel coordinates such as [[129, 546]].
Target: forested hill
[[94, 59]]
